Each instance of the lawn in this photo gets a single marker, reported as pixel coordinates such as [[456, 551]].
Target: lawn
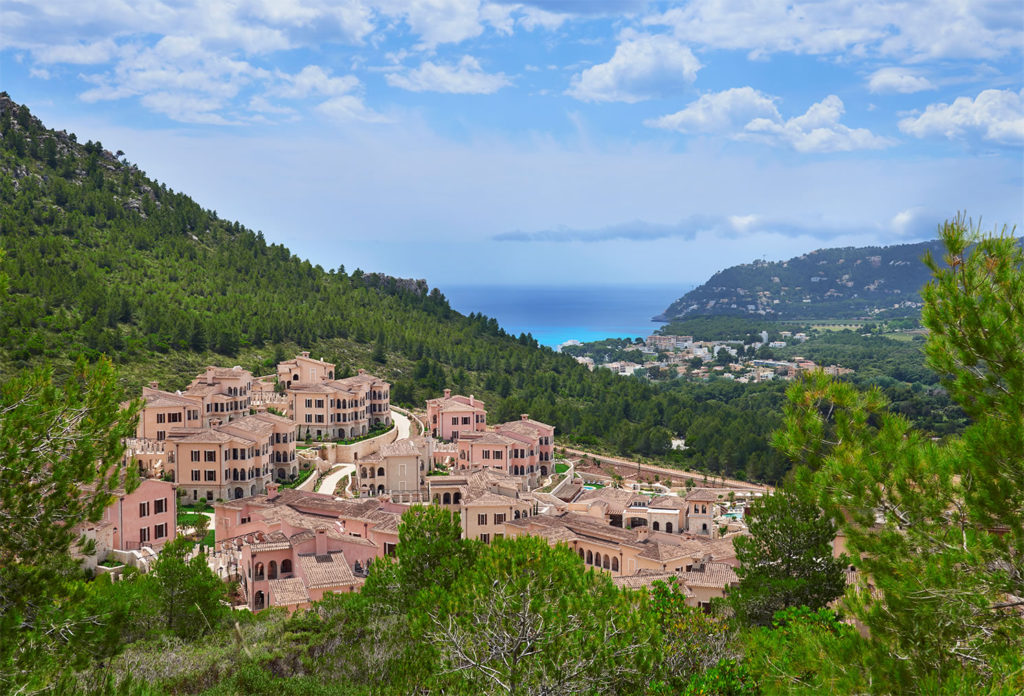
[[561, 468]]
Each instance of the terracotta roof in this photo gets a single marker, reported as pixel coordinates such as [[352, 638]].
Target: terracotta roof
[[716, 575], [385, 521], [399, 448], [487, 438], [275, 541], [657, 551], [645, 578], [706, 495], [457, 403], [326, 570], [287, 592], [156, 398], [670, 502], [204, 435]]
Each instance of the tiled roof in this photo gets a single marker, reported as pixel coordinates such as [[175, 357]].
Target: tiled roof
[[716, 575], [487, 438], [670, 502], [457, 403], [656, 551], [707, 495], [326, 570], [287, 592], [400, 448], [155, 398], [275, 541], [646, 578]]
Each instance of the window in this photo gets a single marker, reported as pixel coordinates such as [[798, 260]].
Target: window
[[144, 509], [497, 454], [194, 455], [160, 531], [161, 418], [481, 519], [455, 420], [195, 474], [160, 506], [487, 454], [486, 538], [173, 417], [499, 518], [309, 418], [319, 418], [211, 475], [465, 420], [144, 535], [309, 403], [319, 403], [210, 456], [161, 434]]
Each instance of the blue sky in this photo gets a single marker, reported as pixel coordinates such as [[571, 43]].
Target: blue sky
[[546, 141]]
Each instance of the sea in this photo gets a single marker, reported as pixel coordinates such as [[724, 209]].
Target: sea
[[556, 314]]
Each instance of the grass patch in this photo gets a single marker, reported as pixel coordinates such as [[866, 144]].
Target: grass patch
[[208, 540], [373, 433], [190, 519], [303, 475], [111, 563], [198, 506], [561, 468], [557, 479]]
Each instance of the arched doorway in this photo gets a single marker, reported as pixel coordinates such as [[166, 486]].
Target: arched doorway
[[239, 493], [260, 601]]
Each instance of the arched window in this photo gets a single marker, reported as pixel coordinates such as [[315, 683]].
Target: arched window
[[272, 571], [656, 526], [286, 566], [380, 488], [447, 499], [607, 562], [703, 509], [668, 527], [362, 472], [260, 602], [259, 572], [615, 564], [457, 498], [515, 515], [380, 471], [590, 558], [582, 555], [704, 527]]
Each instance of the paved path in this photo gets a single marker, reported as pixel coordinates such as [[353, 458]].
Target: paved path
[[625, 467], [401, 424], [331, 480]]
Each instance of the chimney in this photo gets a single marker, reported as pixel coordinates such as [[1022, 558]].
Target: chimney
[[272, 490], [321, 541], [304, 354], [471, 400], [524, 416], [447, 393], [154, 384], [642, 533]]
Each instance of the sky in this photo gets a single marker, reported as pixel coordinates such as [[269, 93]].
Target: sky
[[546, 142]]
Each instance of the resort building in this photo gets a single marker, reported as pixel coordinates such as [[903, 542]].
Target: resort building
[[288, 548], [224, 393], [484, 499], [232, 460], [163, 410], [398, 470], [329, 408], [143, 519], [451, 417]]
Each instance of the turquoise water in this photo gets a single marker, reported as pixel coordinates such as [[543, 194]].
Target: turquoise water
[[554, 315]]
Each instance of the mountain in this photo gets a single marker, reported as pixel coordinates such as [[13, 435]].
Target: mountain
[[841, 283]]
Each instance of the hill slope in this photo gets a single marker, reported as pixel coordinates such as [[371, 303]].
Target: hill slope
[[840, 283]]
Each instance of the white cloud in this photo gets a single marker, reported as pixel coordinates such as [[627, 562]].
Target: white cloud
[[187, 108], [995, 116], [744, 113], [76, 54], [467, 77], [314, 80], [642, 67], [720, 112], [900, 80], [437, 21], [918, 30], [350, 108], [817, 130]]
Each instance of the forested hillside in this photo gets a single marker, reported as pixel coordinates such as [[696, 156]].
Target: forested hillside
[[824, 284], [102, 259]]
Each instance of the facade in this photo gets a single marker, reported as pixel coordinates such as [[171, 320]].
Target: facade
[[225, 393], [163, 411], [335, 409], [232, 460], [144, 518], [398, 470], [451, 417], [485, 500]]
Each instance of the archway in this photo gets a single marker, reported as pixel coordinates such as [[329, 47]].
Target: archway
[[590, 558], [457, 498], [239, 493], [252, 489], [380, 489], [260, 601], [607, 564], [543, 471], [380, 471], [656, 526], [668, 527], [280, 473], [286, 566], [258, 572], [615, 564], [447, 498], [272, 570]]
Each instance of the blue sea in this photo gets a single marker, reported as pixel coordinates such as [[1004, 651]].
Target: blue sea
[[556, 314]]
